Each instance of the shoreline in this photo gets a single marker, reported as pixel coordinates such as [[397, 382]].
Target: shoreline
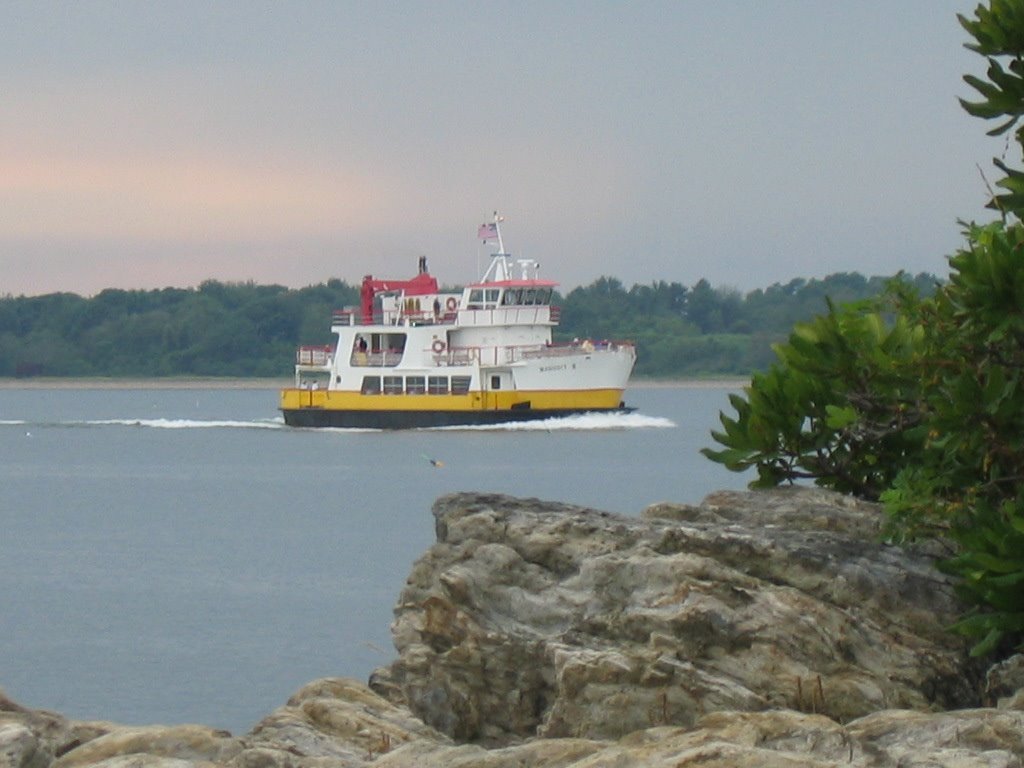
[[171, 382], [198, 382]]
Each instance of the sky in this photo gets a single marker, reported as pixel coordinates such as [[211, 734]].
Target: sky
[[747, 142]]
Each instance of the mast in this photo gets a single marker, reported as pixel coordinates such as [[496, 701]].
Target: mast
[[500, 266], [497, 231]]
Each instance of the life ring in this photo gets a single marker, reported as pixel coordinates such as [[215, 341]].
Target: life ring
[[437, 346], [452, 303]]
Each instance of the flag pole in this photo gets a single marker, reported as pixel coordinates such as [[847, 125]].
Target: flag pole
[[497, 231]]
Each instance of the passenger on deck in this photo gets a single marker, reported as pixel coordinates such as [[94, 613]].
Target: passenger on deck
[[360, 355]]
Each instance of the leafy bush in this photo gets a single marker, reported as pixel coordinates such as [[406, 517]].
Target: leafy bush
[[838, 406], [922, 406]]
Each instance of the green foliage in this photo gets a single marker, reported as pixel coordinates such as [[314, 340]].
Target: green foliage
[[919, 403], [968, 481], [975, 460], [838, 407], [696, 331], [998, 33], [990, 564], [923, 405]]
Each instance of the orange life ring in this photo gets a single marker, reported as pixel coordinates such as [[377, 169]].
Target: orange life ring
[[437, 346], [451, 304]]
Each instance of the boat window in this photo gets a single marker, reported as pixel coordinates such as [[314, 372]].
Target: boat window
[[371, 385], [460, 385], [476, 298], [415, 385], [491, 296], [385, 349], [392, 385], [437, 385], [390, 342], [508, 297], [495, 382], [530, 296], [544, 296]]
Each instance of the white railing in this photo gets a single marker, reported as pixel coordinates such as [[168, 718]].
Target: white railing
[[511, 315], [510, 354], [541, 315], [319, 356], [394, 317], [387, 359]]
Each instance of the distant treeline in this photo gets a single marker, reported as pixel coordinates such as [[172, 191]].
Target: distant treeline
[[245, 329]]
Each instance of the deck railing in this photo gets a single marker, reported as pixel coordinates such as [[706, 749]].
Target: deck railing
[[385, 359], [314, 355], [512, 354], [539, 315]]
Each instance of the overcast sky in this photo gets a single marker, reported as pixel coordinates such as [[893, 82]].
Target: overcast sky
[[148, 144]]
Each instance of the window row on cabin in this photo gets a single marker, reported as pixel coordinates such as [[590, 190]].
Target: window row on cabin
[[487, 298], [415, 385]]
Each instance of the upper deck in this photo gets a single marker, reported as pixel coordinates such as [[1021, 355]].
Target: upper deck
[[486, 307]]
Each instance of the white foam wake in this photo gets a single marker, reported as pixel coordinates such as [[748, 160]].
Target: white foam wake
[[190, 423], [583, 421], [579, 422], [164, 423]]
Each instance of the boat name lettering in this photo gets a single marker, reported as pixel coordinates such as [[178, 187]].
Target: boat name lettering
[[546, 368]]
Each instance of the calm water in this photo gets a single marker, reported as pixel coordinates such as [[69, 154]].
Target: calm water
[[181, 556]]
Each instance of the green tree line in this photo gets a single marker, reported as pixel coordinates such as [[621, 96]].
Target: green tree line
[[245, 329], [692, 331]]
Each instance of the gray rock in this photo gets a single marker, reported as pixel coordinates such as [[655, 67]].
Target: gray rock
[[332, 722], [1004, 683], [534, 618], [21, 748], [30, 737], [188, 743]]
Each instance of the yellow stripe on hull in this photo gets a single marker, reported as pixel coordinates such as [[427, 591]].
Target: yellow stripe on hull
[[539, 400]]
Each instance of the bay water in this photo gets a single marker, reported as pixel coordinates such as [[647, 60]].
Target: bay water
[[178, 555]]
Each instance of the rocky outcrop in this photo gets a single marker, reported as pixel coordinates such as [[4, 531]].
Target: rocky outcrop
[[340, 721], [328, 723], [342, 724], [532, 618], [756, 629]]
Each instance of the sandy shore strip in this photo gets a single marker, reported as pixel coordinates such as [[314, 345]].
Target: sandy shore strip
[[187, 382]]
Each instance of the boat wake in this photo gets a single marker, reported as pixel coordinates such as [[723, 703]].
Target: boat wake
[[580, 422], [195, 423], [277, 423]]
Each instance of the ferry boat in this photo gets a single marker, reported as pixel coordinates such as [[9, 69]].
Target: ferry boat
[[412, 356]]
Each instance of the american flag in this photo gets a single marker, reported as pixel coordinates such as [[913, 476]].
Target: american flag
[[488, 231]]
